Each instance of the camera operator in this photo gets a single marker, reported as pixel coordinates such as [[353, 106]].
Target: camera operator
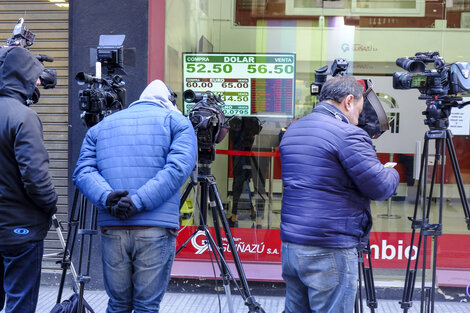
[[131, 166], [27, 195], [330, 172]]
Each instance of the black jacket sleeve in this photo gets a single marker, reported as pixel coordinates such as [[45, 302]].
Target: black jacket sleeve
[[33, 163]]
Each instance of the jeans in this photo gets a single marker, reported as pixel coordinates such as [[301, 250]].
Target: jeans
[[319, 280], [136, 268], [22, 269]]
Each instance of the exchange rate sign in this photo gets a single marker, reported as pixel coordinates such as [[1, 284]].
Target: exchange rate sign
[[250, 84]]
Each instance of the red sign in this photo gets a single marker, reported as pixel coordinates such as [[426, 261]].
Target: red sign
[[263, 245], [388, 250]]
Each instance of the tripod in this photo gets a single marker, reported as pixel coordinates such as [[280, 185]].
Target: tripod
[[83, 225], [437, 112], [209, 195], [365, 272]]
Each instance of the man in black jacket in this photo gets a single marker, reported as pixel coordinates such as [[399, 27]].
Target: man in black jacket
[[27, 195]]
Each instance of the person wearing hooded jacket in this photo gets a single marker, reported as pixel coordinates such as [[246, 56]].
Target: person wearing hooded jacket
[[27, 195], [132, 165], [330, 171]]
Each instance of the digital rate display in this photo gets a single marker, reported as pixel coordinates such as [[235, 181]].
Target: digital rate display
[[250, 84]]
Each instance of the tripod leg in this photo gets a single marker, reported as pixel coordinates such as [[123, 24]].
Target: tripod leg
[[410, 277], [224, 269], [67, 257], [458, 177], [369, 281], [185, 195], [358, 306], [245, 292], [83, 232]]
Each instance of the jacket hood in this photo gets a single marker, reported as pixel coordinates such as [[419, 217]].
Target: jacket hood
[[157, 92], [19, 71]]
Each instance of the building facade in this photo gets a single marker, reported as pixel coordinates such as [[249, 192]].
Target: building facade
[[262, 56]]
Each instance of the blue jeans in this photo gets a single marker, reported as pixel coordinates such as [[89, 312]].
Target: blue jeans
[[319, 280], [136, 268], [22, 269]]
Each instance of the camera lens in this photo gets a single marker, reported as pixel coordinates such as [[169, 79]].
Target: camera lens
[[410, 65]]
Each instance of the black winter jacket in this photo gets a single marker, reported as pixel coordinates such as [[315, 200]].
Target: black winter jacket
[[27, 195]]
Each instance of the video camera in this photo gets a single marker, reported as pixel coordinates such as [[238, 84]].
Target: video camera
[[442, 80], [105, 94], [23, 37], [208, 121], [441, 87], [373, 118]]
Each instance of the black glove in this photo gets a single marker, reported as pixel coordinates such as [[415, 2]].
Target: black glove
[[114, 197], [119, 210], [125, 208], [48, 78]]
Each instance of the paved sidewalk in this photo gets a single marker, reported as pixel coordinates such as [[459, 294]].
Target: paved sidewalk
[[209, 303]]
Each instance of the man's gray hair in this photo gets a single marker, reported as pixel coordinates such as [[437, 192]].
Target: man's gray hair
[[337, 88]]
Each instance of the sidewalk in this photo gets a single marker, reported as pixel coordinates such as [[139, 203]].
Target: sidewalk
[[209, 303]]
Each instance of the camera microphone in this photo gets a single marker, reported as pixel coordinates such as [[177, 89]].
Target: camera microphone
[[44, 58]]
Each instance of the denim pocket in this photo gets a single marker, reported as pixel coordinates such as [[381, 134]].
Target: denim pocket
[[318, 271], [111, 248], [151, 250]]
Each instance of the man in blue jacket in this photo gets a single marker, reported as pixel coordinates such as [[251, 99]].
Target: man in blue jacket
[[131, 166], [330, 171]]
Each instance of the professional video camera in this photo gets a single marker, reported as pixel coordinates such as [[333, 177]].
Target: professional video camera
[[105, 94], [443, 80], [208, 121], [373, 118], [441, 87], [23, 37]]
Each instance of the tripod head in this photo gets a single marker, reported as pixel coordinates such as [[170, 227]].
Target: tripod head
[[438, 110]]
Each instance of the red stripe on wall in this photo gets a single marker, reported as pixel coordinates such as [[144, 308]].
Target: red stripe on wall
[[156, 40], [249, 153]]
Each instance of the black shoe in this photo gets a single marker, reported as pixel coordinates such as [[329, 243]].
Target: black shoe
[[259, 226]]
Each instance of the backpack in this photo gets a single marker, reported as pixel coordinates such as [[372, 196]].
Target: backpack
[[71, 306]]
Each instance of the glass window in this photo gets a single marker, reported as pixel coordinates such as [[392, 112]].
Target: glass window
[[371, 35]]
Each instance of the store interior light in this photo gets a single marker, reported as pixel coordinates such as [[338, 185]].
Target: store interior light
[[60, 3]]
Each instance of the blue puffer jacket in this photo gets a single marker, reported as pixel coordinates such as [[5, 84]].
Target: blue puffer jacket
[[330, 171], [149, 150]]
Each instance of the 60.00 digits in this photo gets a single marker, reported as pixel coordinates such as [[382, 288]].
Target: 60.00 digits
[[199, 85]]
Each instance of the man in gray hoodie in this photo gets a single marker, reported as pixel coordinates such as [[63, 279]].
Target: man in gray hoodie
[[27, 195]]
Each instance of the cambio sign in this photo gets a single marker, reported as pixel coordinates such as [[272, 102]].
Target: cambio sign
[[388, 250], [392, 250]]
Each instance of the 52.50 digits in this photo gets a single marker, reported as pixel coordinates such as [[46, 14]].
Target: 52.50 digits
[[208, 68]]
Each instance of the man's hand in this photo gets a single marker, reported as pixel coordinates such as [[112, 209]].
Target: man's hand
[[125, 208], [115, 196]]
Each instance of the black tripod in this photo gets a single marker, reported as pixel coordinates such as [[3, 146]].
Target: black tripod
[[209, 195], [82, 224], [437, 113], [365, 273]]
